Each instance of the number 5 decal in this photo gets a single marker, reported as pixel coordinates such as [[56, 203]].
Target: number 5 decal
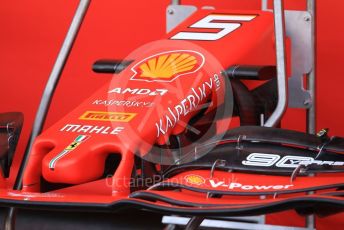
[[208, 23]]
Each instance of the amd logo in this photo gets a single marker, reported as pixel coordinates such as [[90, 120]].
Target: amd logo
[[268, 160], [136, 91]]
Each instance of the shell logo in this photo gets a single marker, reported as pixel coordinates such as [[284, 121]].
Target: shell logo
[[167, 66], [194, 179]]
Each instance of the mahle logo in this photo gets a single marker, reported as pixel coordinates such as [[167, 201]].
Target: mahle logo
[[107, 116], [167, 66], [194, 179]]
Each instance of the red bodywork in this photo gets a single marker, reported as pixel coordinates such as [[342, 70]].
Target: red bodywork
[[127, 130]]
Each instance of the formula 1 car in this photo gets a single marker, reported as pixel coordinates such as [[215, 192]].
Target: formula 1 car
[[177, 130]]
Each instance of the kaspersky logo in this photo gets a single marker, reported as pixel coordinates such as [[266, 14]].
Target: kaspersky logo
[[168, 66], [107, 116]]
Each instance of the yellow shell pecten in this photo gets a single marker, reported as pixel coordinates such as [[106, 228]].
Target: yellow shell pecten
[[195, 179], [166, 66]]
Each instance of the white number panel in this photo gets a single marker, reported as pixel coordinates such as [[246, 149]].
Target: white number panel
[[226, 24]]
